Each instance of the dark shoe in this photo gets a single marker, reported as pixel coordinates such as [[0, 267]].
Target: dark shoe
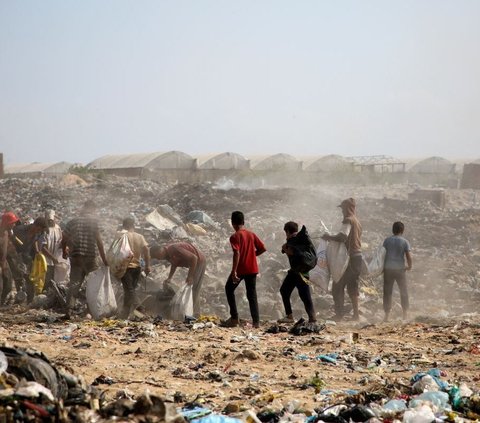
[[256, 325], [229, 323]]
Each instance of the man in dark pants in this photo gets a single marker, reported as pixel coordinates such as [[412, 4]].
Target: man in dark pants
[[81, 239], [184, 254], [397, 250], [351, 235], [246, 247], [295, 279]]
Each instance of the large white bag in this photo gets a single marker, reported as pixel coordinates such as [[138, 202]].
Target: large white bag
[[119, 255], [337, 255], [320, 274], [375, 266], [337, 259], [182, 303], [100, 295]]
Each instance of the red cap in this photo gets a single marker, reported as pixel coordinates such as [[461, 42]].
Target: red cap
[[9, 218]]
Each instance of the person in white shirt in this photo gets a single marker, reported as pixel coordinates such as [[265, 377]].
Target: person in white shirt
[[52, 246]]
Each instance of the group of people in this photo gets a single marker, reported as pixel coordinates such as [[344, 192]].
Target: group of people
[[247, 247], [80, 244]]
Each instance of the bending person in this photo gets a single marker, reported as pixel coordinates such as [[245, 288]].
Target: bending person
[[184, 254]]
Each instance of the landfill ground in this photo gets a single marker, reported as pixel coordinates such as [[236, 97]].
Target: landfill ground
[[246, 368], [237, 369]]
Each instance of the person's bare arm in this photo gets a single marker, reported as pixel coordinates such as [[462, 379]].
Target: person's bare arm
[[235, 260], [101, 249], [146, 257], [64, 244], [45, 251], [173, 269], [36, 247], [408, 255]]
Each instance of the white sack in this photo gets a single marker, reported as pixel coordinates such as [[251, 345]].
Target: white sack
[[182, 303], [320, 274], [337, 259], [99, 292], [119, 255]]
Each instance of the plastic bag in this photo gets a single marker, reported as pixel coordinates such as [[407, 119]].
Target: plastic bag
[[100, 295], [375, 266], [182, 303], [32, 366], [119, 255], [337, 259], [38, 273], [320, 274]]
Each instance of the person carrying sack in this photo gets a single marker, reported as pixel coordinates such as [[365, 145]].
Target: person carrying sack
[[352, 240], [139, 248]]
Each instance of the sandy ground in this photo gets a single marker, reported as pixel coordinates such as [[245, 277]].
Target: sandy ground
[[248, 368]]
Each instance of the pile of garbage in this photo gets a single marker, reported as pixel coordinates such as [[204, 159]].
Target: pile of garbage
[[445, 242], [34, 389]]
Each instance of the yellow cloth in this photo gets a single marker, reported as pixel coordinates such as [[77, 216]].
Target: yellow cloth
[[38, 273]]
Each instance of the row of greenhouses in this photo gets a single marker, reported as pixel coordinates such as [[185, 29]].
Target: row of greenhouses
[[137, 164]]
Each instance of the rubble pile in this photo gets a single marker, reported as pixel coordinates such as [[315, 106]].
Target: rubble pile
[[445, 241]]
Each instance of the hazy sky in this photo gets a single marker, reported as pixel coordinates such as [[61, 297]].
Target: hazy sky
[[80, 79]]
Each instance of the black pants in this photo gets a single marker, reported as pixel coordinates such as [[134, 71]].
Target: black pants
[[349, 280], [390, 276], [251, 286], [294, 280], [130, 298], [6, 284], [49, 276]]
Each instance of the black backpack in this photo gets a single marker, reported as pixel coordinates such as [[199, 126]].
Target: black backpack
[[304, 256]]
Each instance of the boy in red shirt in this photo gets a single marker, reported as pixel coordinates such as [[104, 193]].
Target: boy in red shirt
[[246, 247]]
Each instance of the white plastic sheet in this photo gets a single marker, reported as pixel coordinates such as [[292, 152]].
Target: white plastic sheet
[[160, 222], [100, 295]]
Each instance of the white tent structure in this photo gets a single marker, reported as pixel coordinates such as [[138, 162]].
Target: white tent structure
[[135, 164], [433, 165], [330, 163], [37, 169], [276, 162], [122, 161], [171, 160], [223, 161]]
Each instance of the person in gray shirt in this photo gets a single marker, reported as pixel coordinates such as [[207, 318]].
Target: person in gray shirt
[[397, 251]]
